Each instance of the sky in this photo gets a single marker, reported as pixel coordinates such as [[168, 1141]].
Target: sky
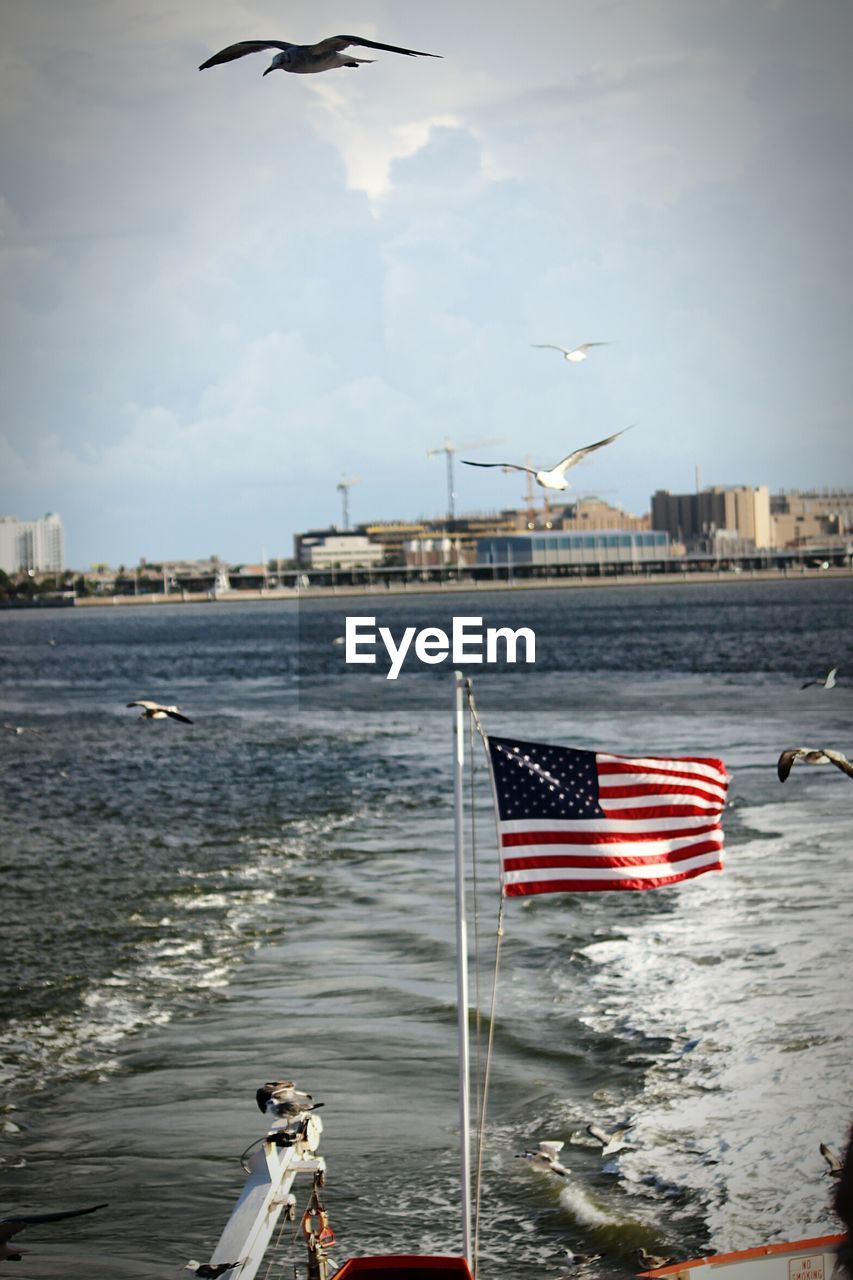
[[221, 292]]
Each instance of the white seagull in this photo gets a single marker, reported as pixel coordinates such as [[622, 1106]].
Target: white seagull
[[609, 1142], [575, 354], [828, 682], [556, 477], [154, 711], [304, 59], [835, 1166], [281, 1098], [19, 1222], [811, 755], [545, 1158], [649, 1261]]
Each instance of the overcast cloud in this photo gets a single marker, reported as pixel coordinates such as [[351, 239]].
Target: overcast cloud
[[220, 291]]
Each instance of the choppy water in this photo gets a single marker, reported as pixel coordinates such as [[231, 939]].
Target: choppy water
[[188, 911]]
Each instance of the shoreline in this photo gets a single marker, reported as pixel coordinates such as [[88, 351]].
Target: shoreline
[[295, 595]]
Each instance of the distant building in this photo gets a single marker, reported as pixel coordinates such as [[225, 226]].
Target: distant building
[[595, 513], [553, 549], [812, 517], [336, 549], [695, 519], [37, 545]]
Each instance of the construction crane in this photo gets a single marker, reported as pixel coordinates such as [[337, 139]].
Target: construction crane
[[448, 449], [343, 486]]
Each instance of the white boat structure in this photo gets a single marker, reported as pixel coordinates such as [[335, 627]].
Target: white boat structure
[[289, 1147], [812, 1259]]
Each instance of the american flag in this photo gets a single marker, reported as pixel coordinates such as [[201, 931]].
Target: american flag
[[574, 821]]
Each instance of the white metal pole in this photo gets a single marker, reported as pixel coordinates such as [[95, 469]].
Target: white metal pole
[[462, 966]]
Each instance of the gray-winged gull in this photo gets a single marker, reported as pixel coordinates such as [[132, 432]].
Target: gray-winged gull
[[556, 477], [19, 1222], [650, 1261], [154, 711], [812, 755], [304, 59], [545, 1158], [828, 681], [573, 354]]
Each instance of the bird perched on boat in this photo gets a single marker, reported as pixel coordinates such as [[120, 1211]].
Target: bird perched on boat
[[608, 1142], [556, 477], [19, 1222], [828, 681], [154, 711], [210, 1270], [305, 59], [281, 1098], [835, 1168], [573, 354], [811, 755], [650, 1261], [545, 1158]]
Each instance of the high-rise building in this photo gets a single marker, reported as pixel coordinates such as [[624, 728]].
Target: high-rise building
[[696, 518], [38, 545]]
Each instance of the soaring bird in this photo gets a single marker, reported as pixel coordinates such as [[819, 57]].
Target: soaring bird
[[304, 59], [19, 1222], [154, 711], [812, 755], [828, 682], [556, 477], [835, 1167], [609, 1142], [575, 355], [649, 1261], [545, 1158], [281, 1098]]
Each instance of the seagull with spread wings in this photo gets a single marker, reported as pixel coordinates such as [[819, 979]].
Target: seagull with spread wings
[[19, 1222], [304, 59], [573, 354], [556, 477], [812, 755], [154, 711], [828, 681]]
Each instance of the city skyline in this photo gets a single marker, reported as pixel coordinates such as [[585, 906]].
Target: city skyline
[[224, 292]]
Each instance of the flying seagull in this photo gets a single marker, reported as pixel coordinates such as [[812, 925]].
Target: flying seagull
[[608, 1142], [281, 1098], [19, 1222], [575, 355], [649, 1261], [545, 1158], [153, 711], [303, 59], [828, 682], [835, 1167], [811, 755], [556, 477]]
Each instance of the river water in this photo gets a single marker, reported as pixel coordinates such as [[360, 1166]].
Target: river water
[[268, 893]]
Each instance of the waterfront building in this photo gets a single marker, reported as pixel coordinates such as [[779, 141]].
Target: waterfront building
[[811, 516], [36, 546], [695, 518], [557, 549], [336, 549]]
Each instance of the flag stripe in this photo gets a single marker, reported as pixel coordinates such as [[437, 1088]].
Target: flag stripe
[[531, 840], [653, 854]]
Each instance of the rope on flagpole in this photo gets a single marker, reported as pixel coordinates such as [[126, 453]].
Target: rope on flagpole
[[482, 1102]]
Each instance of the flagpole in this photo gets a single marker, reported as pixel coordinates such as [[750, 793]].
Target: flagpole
[[462, 965]]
